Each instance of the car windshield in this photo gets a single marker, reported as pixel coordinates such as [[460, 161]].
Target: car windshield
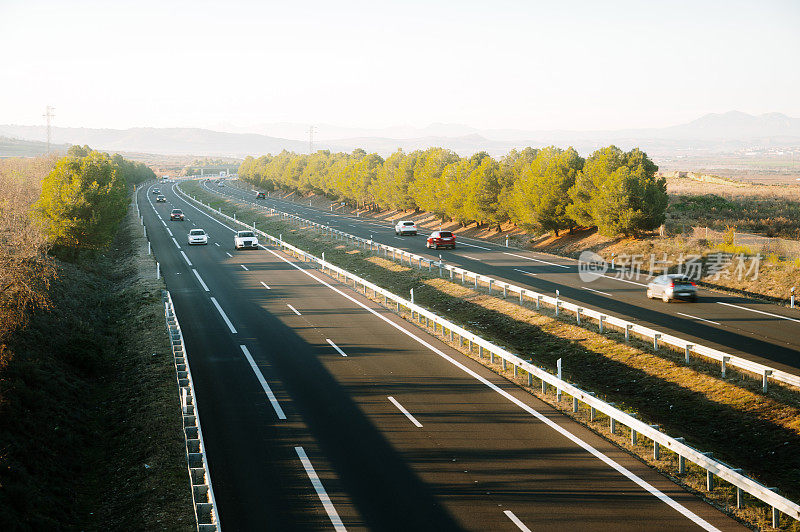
[[682, 282], [408, 223], [177, 211], [445, 234], [197, 232], [246, 233]]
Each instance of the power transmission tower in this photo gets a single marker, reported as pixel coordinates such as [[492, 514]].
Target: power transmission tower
[[48, 115], [311, 139]]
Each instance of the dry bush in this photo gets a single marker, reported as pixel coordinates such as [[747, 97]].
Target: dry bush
[[25, 268]]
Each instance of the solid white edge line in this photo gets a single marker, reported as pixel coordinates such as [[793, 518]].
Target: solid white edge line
[[666, 499], [759, 311], [402, 409], [265, 285], [200, 279], [535, 260], [334, 345], [224, 317], [244, 267], [336, 521], [697, 318], [293, 309], [516, 521], [597, 291], [264, 385], [474, 246], [523, 271], [176, 243], [186, 259]]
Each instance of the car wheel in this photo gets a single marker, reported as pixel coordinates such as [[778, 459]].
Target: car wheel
[[665, 298]]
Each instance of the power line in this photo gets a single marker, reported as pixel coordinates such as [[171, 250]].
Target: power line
[[311, 139], [48, 115]]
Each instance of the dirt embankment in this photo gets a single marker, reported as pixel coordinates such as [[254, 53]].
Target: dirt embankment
[[90, 427]]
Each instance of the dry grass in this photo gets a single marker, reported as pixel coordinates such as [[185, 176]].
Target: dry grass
[[726, 416]]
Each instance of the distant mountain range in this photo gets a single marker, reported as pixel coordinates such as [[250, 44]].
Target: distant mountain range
[[712, 133]]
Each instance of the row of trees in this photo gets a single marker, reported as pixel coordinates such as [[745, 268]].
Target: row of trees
[[547, 189], [85, 197]]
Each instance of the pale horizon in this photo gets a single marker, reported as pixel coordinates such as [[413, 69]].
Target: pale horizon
[[512, 65]]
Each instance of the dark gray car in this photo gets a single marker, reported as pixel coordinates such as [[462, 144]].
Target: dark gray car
[[672, 286]]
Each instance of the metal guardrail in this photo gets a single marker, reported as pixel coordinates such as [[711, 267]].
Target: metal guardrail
[[205, 506], [603, 320], [713, 467]]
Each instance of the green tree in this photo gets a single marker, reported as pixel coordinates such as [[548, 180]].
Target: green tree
[[619, 193], [83, 200], [540, 196], [481, 190]]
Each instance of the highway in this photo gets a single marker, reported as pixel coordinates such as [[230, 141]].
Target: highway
[[758, 331], [321, 410]]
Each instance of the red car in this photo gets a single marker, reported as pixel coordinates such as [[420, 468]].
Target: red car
[[441, 239]]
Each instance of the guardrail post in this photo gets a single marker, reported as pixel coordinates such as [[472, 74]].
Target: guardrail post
[[578, 315], [600, 323], [480, 352], [709, 476], [505, 289], [688, 349], [451, 273], [538, 301], [628, 327], [776, 515], [158, 270], [544, 387], [681, 459], [656, 336], [148, 247], [612, 425], [656, 445], [557, 305], [765, 380], [725, 360], [592, 411], [490, 287], [419, 263], [462, 277], [144, 230], [530, 377], [633, 432], [412, 298], [558, 374], [451, 335], [521, 292], [516, 369], [476, 281], [574, 404]]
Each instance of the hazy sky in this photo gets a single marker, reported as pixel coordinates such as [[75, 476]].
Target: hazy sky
[[488, 64]]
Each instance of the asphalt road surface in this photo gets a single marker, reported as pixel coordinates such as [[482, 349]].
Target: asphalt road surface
[[757, 331], [321, 410]]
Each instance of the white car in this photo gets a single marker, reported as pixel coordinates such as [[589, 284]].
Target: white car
[[245, 239], [405, 227], [198, 236]]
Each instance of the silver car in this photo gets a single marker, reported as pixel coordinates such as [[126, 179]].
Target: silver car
[[672, 286]]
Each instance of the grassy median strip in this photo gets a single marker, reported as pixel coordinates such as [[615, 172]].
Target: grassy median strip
[[728, 417], [90, 423]]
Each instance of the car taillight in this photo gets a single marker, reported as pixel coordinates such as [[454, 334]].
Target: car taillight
[[672, 284], [692, 282]]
